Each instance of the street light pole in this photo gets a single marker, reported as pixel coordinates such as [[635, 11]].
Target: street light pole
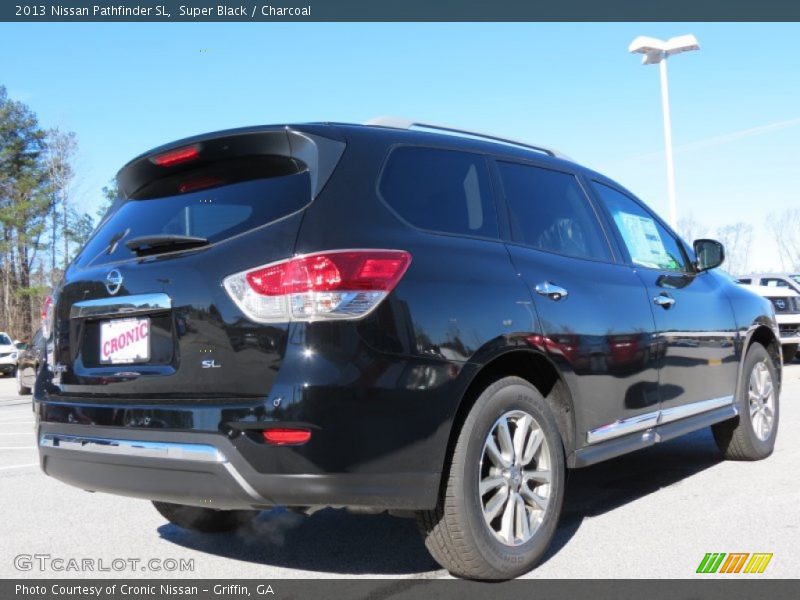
[[673, 204], [656, 52]]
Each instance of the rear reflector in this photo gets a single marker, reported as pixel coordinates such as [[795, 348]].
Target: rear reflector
[[340, 284], [286, 437], [47, 316], [177, 156]]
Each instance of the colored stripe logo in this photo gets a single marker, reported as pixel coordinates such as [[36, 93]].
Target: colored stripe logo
[[734, 562]]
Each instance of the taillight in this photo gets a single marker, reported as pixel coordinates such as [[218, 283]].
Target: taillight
[[47, 316], [177, 156], [286, 437], [340, 284]]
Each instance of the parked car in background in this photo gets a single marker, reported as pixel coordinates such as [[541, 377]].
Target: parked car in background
[[787, 311], [8, 354], [783, 280], [387, 319], [28, 363]]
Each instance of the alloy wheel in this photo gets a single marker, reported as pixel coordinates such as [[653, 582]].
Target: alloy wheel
[[514, 478], [761, 395]]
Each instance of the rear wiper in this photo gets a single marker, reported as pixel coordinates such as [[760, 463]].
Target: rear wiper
[[151, 244], [112, 243]]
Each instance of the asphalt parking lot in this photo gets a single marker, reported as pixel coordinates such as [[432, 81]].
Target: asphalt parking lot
[[651, 514]]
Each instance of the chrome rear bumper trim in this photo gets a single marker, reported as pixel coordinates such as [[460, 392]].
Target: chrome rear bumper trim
[[201, 453], [138, 448]]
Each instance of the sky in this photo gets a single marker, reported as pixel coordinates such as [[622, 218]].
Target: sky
[[125, 88]]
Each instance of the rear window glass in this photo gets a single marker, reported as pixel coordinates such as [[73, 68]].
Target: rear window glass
[[440, 190], [214, 213]]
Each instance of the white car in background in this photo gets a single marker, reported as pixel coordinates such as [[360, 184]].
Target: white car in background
[[8, 355], [787, 312], [783, 280]]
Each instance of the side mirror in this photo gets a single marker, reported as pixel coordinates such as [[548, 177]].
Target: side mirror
[[710, 254]]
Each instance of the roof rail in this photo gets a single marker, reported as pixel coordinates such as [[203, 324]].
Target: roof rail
[[400, 123]]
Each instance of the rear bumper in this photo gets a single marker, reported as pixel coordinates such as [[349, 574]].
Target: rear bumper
[[207, 470]]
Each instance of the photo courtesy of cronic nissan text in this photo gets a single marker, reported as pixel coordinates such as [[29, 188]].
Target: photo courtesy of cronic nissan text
[[370, 300]]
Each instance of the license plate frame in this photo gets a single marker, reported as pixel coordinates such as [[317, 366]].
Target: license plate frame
[[124, 341]]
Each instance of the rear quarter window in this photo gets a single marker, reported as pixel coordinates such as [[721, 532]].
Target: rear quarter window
[[440, 190]]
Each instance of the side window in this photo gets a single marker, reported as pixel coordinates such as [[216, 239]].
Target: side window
[[549, 211], [648, 243], [440, 190], [744, 280], [774, 282]]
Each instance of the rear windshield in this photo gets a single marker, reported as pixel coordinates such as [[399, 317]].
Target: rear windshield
[[215, 212]]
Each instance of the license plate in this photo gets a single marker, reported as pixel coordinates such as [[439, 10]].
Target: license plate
[[125, 341]]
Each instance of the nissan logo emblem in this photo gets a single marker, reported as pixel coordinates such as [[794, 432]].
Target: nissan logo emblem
[[113, 281]]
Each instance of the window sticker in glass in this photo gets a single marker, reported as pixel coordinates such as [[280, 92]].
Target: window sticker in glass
[[644, 242]]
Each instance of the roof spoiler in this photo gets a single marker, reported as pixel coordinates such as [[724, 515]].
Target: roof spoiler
[[319, 155]]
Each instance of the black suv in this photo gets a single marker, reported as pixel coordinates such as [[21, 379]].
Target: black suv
[[389, 318]]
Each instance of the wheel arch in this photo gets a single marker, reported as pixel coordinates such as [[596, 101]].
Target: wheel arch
[[764, 334], [535, 368]]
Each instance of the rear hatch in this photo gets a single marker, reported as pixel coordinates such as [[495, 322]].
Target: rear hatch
[[141, 312]]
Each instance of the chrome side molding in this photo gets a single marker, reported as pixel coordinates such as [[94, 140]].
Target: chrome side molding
[[622, 427], [695, 408], [655, 418], [120, 306]]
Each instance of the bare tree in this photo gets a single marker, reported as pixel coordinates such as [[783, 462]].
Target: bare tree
[[737, 239], [785, 230], [62, 147], [690, 230]]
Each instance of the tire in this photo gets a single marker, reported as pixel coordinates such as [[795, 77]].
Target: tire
[[21, 389], [745, 437], [456, 532], [205, 520], [790, 352]]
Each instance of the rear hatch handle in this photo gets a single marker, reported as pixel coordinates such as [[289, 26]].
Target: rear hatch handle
[[123, 306]]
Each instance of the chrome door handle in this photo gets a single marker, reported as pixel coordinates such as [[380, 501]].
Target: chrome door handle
[[551, 290], [664, 300]]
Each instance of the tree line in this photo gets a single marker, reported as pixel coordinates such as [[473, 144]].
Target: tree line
[[782, 226], [41, 225]]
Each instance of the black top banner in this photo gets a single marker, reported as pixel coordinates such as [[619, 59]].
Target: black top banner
[[402, 10]]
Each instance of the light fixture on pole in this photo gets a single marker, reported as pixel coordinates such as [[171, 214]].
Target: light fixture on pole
[[656, 52]]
